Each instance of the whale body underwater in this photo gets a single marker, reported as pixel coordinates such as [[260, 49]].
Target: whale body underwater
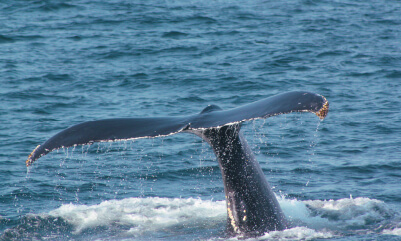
[[252, 208]]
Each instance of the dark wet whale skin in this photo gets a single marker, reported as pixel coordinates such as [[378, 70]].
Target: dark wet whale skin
[[252, 207]]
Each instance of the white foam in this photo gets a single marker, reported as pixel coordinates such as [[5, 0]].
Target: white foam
[[142, 214], [395, 231], [349, 212], [299, 214], [297, 233], [345, 203], [311, 219]]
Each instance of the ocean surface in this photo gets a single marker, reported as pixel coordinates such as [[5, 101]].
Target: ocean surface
[[66, 62]]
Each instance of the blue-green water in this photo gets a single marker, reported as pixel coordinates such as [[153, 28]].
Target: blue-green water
[[65, 62]]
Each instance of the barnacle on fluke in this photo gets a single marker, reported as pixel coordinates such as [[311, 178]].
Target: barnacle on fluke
[[322, 113]]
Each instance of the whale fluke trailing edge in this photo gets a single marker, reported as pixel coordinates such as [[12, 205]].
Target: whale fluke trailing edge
[[252, 207]]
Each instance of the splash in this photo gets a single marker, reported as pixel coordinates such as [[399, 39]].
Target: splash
[[191, 218], [142, 214]]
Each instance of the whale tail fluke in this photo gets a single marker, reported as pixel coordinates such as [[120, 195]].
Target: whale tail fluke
[[212, 116]]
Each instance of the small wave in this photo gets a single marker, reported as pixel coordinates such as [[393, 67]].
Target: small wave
[[48, 7], [174, 34], [395, 74], [332, 53], [6, 39]]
